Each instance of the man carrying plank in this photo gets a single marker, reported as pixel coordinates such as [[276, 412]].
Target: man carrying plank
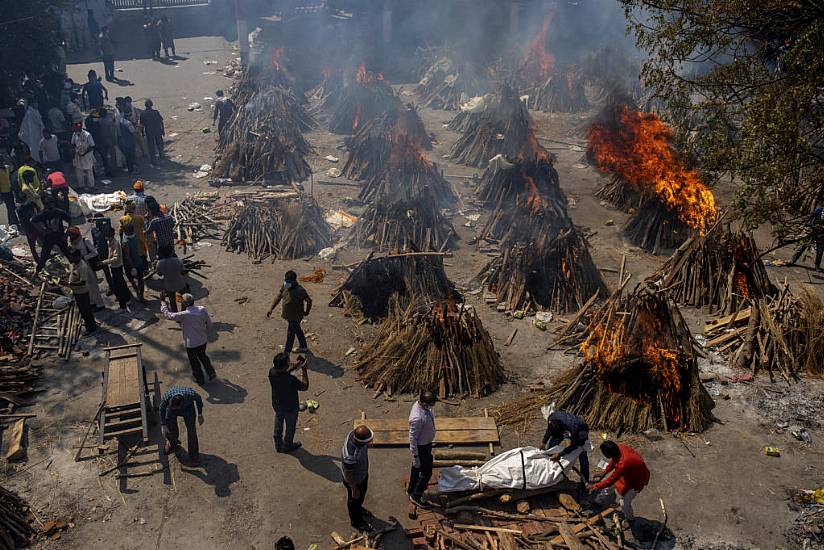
[[629, 476], [421, 436]]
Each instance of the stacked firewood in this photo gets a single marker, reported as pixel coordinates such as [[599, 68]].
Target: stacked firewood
[[327, 93], [445, 83], [639, 371], [414, 177], [264, 140], [655, 228], [721, 269], [373, 283], [620, 194], [551, 272], [278, 229], [194, 220], [562, 92], [503, 127], [360, 101], [778, 334], [389, 137], [443, 348], [15, 521]]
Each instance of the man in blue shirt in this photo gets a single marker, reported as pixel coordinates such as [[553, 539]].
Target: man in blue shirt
[[562, 425], [181, 401]]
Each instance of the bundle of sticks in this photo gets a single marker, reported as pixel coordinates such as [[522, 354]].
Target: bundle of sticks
[[371, 285], [55, 329], [445, 84], [15, 527], [503, 127], [562, 92], [656, 228], [193, 220], [389, 137], [780, 334], [264, 140], [361, 100], [278, 228], [443, 348], [639, 369], [413, 177], [553, 271], [620, 194], [721, 269]]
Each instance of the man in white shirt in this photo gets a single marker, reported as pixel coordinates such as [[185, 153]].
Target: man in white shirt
[[50, 150], [196, 324], [83, 157]]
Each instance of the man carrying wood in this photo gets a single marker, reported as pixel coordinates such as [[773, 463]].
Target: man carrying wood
[[285, 401], [421, 436], [562, 425], [181, 401], [296, 305], [355, 469], [629, 476]]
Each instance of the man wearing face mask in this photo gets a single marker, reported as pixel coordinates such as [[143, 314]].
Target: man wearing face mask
[[296, 305], [421, 436]]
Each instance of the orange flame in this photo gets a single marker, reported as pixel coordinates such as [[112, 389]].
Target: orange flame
[[534, 201], [277, 55], [641, 152], [536, 59], [741, 284]]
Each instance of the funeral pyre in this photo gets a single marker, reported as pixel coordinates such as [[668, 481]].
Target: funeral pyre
[[447, 83], [361, 100], [404, 278], [264, 140], [669, 200], [442, 348], [277, 227]]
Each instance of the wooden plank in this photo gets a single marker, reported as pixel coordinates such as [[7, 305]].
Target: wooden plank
[[16, 450], [441, 423], [137, 430], [727, 336], [739, 317], [570, 538], [478, 437], [583, 526], [465, 527]]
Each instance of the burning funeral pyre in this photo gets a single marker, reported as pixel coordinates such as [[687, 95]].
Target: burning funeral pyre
[[375, 282], [264, 140], [502, 127], [278, 227], [443, 348], [385, 140], [638, 371], [668, 200], [325, 96], [721, 269], [361, 100], [446, 84]]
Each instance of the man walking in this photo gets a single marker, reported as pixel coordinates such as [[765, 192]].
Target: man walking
[[181, 401], [562, 425], [78, 283], [355, 468], [285, 401], [83, 160], [107, 130], [161, 227], [81, 245], [153, 130], [52, 219], [171, 268], [224, 109], [815, 238], [296, 305], [114, 263], [50, 150], [93, 92], [100, 229], [629, 477], [107, 53], [421, 436], [196, 324]]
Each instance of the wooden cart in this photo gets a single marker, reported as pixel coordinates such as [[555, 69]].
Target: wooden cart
[[127, 405]]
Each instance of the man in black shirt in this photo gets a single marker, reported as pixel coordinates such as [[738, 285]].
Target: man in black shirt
[[285, 388], [562, 425], [153, 130], [52, 219]]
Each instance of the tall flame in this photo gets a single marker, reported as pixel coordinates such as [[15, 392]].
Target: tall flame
[[536, 59], [640, 151]]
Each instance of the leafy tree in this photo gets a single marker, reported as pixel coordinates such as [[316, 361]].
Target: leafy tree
[[29, 39], [745, 80]]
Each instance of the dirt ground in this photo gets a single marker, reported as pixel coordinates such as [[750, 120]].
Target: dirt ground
[[718, 486]]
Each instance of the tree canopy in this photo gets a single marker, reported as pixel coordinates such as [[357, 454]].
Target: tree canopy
[[745, 80]]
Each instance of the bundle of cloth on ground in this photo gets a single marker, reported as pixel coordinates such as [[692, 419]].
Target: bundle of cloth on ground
[[524, 468]]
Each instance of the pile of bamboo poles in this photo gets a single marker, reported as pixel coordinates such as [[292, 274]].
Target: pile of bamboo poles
[[551, 272], [373, 283], [504, 127], [278, 229], [562, 92], [721, 269], [54, 329], [15, 517], [194, 221], [638, 371], [444, 349], [445, 83], [363, 99], [385, 140]]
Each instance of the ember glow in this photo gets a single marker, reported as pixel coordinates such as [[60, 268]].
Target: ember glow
[[640, 151], [536, 59]]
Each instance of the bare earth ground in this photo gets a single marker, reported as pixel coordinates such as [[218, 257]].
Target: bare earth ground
[[719, 487]]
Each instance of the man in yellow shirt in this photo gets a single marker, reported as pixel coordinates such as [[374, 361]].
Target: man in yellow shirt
[[136, 221], [6, 193], [28, 168]]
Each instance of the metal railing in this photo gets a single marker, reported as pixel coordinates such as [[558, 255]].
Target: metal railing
[[147, 4]]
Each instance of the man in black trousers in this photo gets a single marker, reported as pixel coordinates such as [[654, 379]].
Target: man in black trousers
[[285, 388]]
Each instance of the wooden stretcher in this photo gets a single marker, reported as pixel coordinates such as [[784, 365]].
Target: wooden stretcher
[[127, 406]]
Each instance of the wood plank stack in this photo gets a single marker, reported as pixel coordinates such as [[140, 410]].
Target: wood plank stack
[[721, 269], [366, 97], [375, 282], [638, 369], [444, 349], [278, 228], [779, 334], [15, 521], [446, 83]]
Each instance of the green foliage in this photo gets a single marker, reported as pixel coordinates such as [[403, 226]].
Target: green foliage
[[745, 78], [29, 37]]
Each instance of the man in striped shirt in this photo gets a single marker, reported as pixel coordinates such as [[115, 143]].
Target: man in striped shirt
[[162, 226], [181, 401]]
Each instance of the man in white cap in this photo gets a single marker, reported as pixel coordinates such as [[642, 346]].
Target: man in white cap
[[355, 468], [196, 324]]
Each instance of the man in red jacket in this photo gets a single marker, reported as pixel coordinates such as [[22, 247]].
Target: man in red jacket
[[629, 475]]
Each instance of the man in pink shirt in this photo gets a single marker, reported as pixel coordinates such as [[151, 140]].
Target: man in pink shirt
[[196, 324]]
